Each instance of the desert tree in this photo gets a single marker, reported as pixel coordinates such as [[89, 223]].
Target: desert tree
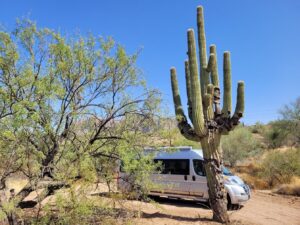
[[67, 100]]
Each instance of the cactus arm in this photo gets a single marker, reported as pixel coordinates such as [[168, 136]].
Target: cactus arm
[[188, 89], [185, 129], [208, 103], [197, 112], [214, 71], [227, 86], [215, 79], [207, 106], [240, 104], [211, 63], [210, 89], [204, 76]]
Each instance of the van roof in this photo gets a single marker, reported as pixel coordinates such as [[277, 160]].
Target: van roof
[[181, 153]]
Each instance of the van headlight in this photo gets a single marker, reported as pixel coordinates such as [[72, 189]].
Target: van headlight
[[236, 189]]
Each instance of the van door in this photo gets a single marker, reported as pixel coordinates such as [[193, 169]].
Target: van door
[[198, 183], [173, 178]]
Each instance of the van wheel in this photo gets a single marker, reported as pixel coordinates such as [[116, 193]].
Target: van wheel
[[231, 206]]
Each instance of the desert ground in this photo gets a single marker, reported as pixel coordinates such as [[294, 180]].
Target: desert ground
[[264, 208]]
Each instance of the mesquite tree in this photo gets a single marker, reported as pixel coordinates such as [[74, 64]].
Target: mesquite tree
[[69, 107], [61, 95], [209, 121]]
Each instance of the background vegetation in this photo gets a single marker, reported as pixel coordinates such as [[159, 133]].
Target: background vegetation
[[72, 108]]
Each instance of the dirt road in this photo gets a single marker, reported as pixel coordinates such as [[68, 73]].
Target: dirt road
[[264, 208]]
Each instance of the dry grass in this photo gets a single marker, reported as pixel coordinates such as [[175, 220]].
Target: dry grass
[[289, 189], [249, 173], [254, 182], [251, 169]]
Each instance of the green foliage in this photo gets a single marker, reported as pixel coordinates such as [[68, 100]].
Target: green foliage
[[70, 108], [172, 137], [70, 207], [238, 145], [139, 169], [169, 135], [291, 111], [8, 208], [291, 114], [258, 128], [277, 134], [51, 86], [286, 130], [279, 167], [76, 208]]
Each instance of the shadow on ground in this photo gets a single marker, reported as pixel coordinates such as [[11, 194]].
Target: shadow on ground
[[177, 218], [187, 203], [180, 202]]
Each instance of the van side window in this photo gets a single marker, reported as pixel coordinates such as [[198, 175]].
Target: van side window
[[199, 167], [174, 166]]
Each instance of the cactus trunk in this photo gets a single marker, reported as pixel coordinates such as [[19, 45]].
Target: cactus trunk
[[209, 122], [216, 191]]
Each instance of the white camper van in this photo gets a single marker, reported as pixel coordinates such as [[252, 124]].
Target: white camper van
[[183, 176]]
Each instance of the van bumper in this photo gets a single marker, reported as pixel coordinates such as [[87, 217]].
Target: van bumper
[[238, 194]]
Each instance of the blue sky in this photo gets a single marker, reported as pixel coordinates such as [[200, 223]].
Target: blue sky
[[263, 37]]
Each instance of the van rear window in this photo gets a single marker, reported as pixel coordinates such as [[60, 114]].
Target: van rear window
[[174, 166]]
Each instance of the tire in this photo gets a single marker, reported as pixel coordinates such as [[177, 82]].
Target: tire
[[231, 206]]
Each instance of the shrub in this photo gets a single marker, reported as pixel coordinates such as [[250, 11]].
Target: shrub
[[138, 168], [280, 167], [286, 131], [257, 128], [277, 134], [239, 144], [75, 206], [288, 189]]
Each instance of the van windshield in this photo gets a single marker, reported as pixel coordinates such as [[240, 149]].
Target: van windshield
[[199, 168], [226, 171]]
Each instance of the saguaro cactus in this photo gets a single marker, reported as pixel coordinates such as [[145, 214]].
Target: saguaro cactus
[[208, 120]]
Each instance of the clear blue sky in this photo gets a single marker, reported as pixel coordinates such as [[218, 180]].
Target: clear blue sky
[[263, 37]]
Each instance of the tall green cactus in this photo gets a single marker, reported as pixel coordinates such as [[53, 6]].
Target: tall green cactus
[[208, 120]]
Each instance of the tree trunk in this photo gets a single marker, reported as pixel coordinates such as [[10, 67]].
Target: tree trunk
[[213, 169], [47, 169], [12, 219]]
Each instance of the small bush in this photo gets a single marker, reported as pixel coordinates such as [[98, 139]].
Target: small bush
[[288, 189], [75, 206], [254, 182], [280, 167], [251, 169], [257, 128], [277, 134], [238, 145], [250, 174]]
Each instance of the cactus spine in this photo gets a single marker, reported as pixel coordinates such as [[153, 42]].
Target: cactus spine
[[209, 122]]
